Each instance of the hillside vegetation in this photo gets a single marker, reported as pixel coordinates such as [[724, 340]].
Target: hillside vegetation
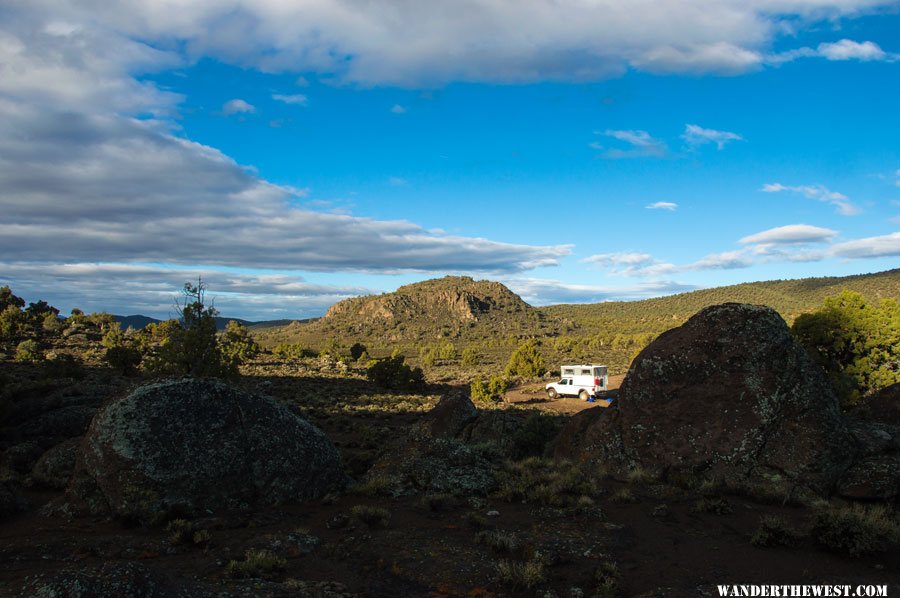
[[438, 321]]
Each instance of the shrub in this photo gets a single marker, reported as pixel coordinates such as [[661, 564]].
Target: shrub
[[257, 563], [446, 351], [428, 355], [545, 481], [392, 372], [237, 345], [63, 366], [470, 357], [856, 530], [293, 351], [498, 541], [190, 347], [124, 360], [526, 361], [489, 392], [28, 350], [7, 299], [856, 342], [12, 323], [714, 505], [371, 516], [357, 350], [52, 324], [608, 577], [774, 531], [521, 575], [532, 438]]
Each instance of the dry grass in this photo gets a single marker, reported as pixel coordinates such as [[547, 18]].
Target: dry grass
[[257, 563], [520, 575], [371, 516], [856, 529]]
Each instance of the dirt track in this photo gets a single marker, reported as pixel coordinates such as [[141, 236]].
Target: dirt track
[[534, 394]]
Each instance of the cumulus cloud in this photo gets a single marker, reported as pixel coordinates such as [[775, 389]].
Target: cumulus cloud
[[398, 109], [695, 136], [539, 291], [644, 265], [297, 99], [841, 50], [237, 106], [792, 234], [83, 188], [663, 205], [819, 193], [641, 145], [150, 290], [871, 247], [619, 259]]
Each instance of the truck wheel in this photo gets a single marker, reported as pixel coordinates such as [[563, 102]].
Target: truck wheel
[[583, 395], [551, 392]]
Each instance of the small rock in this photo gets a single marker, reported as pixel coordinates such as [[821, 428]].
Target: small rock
[[493, 513]]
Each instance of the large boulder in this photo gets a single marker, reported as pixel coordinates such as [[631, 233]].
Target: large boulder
[[192, 446], [55, 466], [875, 473], [727, 396]]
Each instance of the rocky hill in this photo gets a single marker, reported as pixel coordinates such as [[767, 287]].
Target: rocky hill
[[449, 307]]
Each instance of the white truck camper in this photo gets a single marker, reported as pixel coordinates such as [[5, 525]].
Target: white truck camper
[[582, 381]]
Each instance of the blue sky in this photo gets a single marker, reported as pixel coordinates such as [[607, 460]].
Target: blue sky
[[294, 154]]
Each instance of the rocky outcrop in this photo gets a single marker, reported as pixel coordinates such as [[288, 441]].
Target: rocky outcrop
[[192, 446], [728, 396], [54, 468], [111, 579], [875, 473], [884, 405]]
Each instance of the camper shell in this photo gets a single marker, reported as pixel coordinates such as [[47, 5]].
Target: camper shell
[[584, 381]]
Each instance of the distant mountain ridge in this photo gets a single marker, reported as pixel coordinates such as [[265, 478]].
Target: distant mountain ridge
[[138, 322]]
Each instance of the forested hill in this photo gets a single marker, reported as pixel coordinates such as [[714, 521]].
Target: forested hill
[[789, 297]]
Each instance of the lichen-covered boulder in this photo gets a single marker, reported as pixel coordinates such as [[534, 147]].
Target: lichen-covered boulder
[[433, 459], [884, 405], [728, 396], [56, 465], [192, 446], [875, 473], [110, 579]]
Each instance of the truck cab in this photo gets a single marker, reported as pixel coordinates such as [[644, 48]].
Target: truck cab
[[582, 381]]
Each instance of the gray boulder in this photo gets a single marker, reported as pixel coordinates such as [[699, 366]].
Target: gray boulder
[[192, 446], [727, 396], [55, 466]]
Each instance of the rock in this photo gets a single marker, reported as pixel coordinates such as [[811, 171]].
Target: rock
[[727, 396], [11, 501], [449, 417], [884, 405], [18, 459], [111, 579], [55, 466], [875, 474], [432, 460], [190, 446], [65, 422]]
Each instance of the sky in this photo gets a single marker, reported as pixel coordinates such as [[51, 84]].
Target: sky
[[295, 153]]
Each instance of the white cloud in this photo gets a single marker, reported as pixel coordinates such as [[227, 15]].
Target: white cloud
[[295, 99], [83, 188], [819, 193], [718, 57], [663, 205], [695, 136], [539, 291], [791, 234], [846, 49], [841, 50], [642, 145], [871, 247], [237, 106], [619, 259], [398, 109]]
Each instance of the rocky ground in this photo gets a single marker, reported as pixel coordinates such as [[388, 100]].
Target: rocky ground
[[436, 496]]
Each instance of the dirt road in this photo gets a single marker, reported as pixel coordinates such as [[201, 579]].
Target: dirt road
[[534, 394]]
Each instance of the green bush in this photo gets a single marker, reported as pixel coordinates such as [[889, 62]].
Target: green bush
[[470, 357], [489, 392], [257, 563], [393, 372], [28, 350], [237, 345], [12, 323], [856, 342], [7, 299], [63, 366], [526, 361], [429, 356], [125, 360], [774, 531], [293, 351]]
